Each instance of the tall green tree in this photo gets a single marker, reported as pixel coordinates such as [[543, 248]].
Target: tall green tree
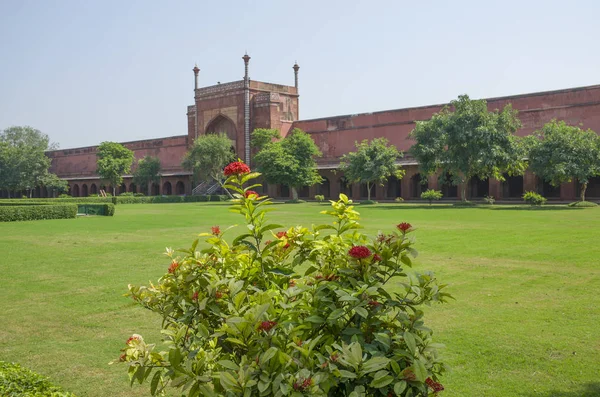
[[54, 184], [465, 140], [23, 162], [208, 156], [263, 136], [113, 161], [147, 172], [372, 162], [563, 152], [290, 161]]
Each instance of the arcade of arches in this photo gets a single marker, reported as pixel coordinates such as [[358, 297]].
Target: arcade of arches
[[409, 187]]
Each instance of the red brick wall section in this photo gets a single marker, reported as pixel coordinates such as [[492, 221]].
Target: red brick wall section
[[336, 135], [81, 162]]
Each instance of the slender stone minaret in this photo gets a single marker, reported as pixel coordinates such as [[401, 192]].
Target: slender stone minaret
[[196, 70], [246, 59], [296, 67]]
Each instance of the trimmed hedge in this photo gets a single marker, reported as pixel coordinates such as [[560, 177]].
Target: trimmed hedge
[[35, 212], [32, 201], [583, 204], [18, 381], [107, 209], [170, 199]]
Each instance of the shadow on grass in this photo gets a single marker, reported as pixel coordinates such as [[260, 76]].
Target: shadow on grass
[[587, 390], [478, 207]]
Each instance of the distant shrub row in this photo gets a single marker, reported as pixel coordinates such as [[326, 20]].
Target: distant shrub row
[[170, 199], [126, 199], [18, 381], [35, 212], [106, 209]]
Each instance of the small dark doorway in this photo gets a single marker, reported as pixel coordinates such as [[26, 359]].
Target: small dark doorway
[[418, 185], [393, 188], [166, 189], [479, 188], [512, 187], [180, 188]]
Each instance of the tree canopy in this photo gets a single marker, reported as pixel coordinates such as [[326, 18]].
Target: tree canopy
[[289, 161], [469, 141], [208, 156], [113, 160], [262, 136], [562, 152], [23, 161], [147, 172], [372, 162]]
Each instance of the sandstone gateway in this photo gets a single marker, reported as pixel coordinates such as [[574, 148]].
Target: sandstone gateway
[[238, 107]]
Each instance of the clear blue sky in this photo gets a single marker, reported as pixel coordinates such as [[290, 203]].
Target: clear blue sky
[[89, 71]]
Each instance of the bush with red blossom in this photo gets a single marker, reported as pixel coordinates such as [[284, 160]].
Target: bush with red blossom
[[299, 312]]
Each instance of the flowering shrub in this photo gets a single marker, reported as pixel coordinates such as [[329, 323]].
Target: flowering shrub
[[534, 198], [242, 319]]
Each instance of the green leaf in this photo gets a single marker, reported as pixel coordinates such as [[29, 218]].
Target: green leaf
[[399, 387], [228, 364], [347, 374], [361, 311], [375, 364], [337, 313], [269, 354], [382, 382], [228, 382], [315, 319], [419, 370], [154, 383], [410, 342]]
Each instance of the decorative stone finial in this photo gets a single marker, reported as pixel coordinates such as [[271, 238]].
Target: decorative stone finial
[[246, 58], [196, 69]]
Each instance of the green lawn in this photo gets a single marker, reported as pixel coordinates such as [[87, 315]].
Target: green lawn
[[525, 321]]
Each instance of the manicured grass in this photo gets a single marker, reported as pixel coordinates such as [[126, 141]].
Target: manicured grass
[[524, 323]]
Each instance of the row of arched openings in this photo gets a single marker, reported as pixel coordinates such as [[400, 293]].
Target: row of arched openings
[[83, 190]]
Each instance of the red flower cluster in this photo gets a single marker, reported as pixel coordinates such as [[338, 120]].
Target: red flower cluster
[[195, 296], [218, 294], [122, 357], [236, 168], [359, 252], [173, 267], [281, 234], [250, 193], [266, 326], [376, 258], [131, 339], [302, 386], [409, 374], [404, 227], [373, 304], [216, 230], [436, 386]]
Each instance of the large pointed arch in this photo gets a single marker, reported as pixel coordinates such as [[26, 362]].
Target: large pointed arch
[[223, 124]]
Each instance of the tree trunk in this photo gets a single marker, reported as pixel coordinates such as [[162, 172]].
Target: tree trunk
[[294, 194], [583, 189], [149, 188], [464, 192], [114, 191], [224, 188], [369, 191]]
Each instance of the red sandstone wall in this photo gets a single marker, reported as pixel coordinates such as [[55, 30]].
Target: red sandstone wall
[[336, 135], [81, 162]]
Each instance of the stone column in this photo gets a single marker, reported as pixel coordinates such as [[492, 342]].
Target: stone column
[[196, 71], [246, 59]]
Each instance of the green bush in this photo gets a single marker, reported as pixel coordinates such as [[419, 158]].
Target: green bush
[[61, 200], [431, 195], [368, 202], [63, 196], [319, 197], [489, 200], [107, 209], [583, 204], [295, 201], [138, 194], [126, 194], [35, 212], [399, 199], [534, 199], [464, 203], [297, 312], [16, 381]]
